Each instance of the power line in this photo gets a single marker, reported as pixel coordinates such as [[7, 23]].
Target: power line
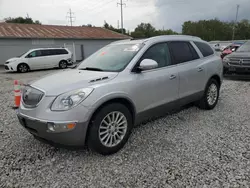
[[236, 18], [71, 17], [98, 4], [121, 4], [100, 10]]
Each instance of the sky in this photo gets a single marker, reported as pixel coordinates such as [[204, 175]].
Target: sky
[[167, 14]]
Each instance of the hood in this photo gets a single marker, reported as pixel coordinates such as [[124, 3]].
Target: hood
[[240, 55], [63, 81], [12, 59]]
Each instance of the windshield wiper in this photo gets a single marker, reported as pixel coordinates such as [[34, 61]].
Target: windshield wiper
[[91, 68]]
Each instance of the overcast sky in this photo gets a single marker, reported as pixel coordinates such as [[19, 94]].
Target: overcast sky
[[160, 13]]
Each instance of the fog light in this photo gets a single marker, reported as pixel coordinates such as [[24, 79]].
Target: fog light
[[51, 127], [60, 127]]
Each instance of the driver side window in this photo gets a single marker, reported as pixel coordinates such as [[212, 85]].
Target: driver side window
[[36, 53], [159, 53]]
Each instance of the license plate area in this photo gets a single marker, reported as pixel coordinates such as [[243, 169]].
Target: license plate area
[[232, 69]]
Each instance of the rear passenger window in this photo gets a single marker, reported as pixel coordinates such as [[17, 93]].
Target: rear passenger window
[[182, 51], [159, 53], [61, 51], [205, 49], [46, 52]]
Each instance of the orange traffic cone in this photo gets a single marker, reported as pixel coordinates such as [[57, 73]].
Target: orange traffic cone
[[17, 94]]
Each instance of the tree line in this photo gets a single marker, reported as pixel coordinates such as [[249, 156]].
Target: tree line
[[213, 29]]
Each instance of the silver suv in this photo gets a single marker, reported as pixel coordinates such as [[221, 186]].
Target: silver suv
[[119, 86], [239, 61]]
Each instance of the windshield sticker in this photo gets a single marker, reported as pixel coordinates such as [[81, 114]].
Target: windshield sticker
[[134, 48], [103, 53]]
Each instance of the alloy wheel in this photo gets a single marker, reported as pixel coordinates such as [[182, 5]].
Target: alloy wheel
[[113, 128], [212, 94]]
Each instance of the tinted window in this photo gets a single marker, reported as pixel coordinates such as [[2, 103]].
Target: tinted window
[[46, 52], [36, 53], [58, 51], [182, 51], [62, 51], [205, 49], [245, 47], [159, 53]]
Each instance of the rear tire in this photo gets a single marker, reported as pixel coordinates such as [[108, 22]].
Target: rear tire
[[210, 96], [63, 64], [22, 68], [107, 135]]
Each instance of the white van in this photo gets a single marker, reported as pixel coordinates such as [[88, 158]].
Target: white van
[[42, 58]]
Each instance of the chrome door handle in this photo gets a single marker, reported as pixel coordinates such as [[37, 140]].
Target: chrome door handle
[[172, 77], [200, 69]]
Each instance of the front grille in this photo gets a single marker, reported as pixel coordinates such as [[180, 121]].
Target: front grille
[[31, 96], [242, 61], [6, 67]]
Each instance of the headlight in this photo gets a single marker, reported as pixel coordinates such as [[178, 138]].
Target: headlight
[[70, 99], [226, 60]]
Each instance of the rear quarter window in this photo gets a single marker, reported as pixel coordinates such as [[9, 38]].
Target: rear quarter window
[[205, 49], [61, 51]]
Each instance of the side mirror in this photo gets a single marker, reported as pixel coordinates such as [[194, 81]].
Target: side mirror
[[147, 64], [28, 56], [233, 50]]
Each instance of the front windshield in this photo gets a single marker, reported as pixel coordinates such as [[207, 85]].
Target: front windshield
[[245, 47], [113, 58]]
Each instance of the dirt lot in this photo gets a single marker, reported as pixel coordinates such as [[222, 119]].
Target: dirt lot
[[192, 148]]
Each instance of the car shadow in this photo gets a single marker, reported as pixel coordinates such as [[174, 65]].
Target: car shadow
[[39, 70], [237, 77]]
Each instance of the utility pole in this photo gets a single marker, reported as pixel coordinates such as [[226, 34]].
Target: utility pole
[[71, 17], [121, 4], [236, 18]]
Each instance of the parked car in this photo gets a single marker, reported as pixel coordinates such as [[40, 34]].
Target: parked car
[[239, 61], [42, 58], [229, 49], [217, 47], [119, 86]]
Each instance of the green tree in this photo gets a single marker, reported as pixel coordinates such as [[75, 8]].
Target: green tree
[[22, 20], [217, 30], [110, 27], [145, 30]]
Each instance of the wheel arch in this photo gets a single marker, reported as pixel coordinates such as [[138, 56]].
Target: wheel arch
[[22, 63], [217, 78], [122, 100]]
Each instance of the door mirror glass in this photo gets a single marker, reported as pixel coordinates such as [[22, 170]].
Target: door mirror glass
[[147, 64]]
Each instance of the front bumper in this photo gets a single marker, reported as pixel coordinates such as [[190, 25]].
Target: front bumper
[[39, 128], [8, 67], [235, 69], [69, 62]]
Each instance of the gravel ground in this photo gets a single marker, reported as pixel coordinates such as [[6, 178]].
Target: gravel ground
[[192, 148]]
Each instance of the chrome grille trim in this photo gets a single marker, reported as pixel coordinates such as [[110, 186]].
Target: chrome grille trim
[[239, 61]]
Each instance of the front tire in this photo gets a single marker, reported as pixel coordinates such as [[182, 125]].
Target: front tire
[[110, 129], [22, 68], [211, 95], [63, 64]]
